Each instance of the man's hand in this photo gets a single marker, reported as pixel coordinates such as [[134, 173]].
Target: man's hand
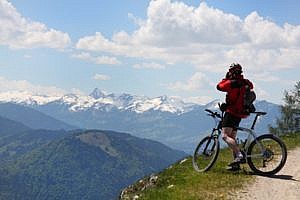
[[223, 107], [228, 75], [236, 84]]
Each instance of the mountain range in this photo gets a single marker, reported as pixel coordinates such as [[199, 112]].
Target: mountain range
[[169, 120], [99, 100], [81, 164]]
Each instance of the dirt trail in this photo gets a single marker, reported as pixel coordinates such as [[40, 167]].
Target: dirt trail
[[284, 185]]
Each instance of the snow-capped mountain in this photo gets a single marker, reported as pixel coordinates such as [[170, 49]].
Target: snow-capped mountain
[[166, 119], [100, 100], [26, 98]]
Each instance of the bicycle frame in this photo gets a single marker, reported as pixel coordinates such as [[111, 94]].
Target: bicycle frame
[[216, 132], [251, 136]]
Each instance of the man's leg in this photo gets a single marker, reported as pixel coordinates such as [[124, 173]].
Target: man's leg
[[228, 135]]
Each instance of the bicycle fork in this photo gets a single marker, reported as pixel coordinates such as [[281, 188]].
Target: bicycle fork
[[215, 134]]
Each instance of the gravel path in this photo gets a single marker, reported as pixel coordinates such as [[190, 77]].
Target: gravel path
[[284, 185]]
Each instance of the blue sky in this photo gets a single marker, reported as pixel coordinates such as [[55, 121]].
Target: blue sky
[[152, 48]]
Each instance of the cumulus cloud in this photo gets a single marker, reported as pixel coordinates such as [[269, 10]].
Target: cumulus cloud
[[206, 37], [136, 20], [196, 82], [24, 85], [151, 65], [99, 60], [101, 77], [121, 44], [268, 77], [18, 32]]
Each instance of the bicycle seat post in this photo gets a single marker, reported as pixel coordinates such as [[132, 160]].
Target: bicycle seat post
[[254, 122], [256, 117]]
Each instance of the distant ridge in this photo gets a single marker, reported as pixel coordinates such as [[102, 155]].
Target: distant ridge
[[31, 117]]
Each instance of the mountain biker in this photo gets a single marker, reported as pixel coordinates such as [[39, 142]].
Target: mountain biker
[[235, 85]]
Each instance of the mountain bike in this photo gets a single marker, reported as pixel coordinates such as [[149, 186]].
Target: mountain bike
[[265, 154]]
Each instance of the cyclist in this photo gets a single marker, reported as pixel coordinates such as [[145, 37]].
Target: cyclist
[[235, 85]]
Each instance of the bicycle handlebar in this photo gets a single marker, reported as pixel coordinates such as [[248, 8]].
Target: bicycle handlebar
[[213, 114]]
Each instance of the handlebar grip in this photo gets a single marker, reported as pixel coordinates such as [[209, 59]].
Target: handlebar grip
[[211, 112]]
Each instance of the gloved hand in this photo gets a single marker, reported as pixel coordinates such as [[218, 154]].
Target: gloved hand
[[223, 107], [228, 75], [236, 84]]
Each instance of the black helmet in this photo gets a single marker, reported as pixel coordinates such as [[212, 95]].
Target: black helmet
[[235, 68]]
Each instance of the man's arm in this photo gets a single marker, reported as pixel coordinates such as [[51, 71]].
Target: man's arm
[[224, 85]]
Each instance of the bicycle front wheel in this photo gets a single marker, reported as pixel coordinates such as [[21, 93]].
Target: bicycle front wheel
[[266, 155], [206, 153]]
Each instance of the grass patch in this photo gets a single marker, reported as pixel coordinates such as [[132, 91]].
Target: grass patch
[[291, 140], [182, 182]]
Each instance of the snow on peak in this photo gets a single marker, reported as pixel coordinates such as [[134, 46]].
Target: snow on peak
[[24, 97], [162, 103], [99, 100]]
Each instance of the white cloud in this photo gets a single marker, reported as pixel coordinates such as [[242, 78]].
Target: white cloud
[[204, 36], [24, 85], [196, 82], [101, 77], [18, 32], [136, 20], [77, 91], [151, 65], [121, 45], [202, 100], [99, 60], [27, 56]]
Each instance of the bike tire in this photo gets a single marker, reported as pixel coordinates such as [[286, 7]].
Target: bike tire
[[271, 160], [203, 161]]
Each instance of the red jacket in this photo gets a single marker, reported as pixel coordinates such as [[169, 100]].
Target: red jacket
[[235, 95]]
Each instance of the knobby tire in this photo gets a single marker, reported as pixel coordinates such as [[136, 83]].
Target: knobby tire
[[201, 161]]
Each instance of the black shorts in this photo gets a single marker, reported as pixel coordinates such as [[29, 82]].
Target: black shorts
[[231, 121]]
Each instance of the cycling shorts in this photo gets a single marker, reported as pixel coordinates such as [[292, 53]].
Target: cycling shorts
[[231, 121]]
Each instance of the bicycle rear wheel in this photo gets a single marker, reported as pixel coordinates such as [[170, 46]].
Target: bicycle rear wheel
[[206, 154], [266, 155]]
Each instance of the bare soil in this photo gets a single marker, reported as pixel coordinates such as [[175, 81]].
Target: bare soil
[[284, 185]]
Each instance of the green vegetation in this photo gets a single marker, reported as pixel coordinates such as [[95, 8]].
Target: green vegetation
[[290, 113], [181, 181], [83, 165]]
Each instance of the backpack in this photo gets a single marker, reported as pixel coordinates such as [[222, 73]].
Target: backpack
[[249, 98]]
